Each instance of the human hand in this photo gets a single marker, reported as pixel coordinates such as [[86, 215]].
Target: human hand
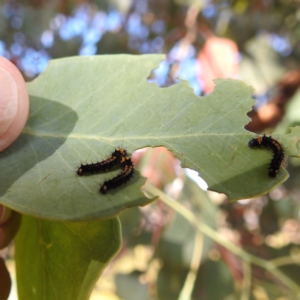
[[14, 106]]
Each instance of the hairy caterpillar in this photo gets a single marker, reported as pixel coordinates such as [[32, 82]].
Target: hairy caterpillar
[[123, 177], [103, 165], [276, 147]]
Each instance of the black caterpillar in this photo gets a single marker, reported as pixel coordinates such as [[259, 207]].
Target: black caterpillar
[[123, 177], [278, 152], [119, 156], [103, 165]]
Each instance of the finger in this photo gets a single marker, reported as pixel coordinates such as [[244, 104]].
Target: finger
[[14, 103], [9, 229], [5, 213], [5, 282]]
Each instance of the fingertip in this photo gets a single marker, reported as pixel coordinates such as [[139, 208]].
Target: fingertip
[[14, 103], [5, 282], [9, 229], [5, 213]]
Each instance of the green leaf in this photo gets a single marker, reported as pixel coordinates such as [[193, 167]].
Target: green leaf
[[291, 115], [62, 260], [84, 107]]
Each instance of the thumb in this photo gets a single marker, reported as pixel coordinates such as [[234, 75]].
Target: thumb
[[14, 103]]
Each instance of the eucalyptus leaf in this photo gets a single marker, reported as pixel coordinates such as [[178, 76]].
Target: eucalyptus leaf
[[63, 260], [82, 108]]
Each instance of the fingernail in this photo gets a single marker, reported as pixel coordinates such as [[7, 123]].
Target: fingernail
[[14, 103], [8, 100], [4, 214]]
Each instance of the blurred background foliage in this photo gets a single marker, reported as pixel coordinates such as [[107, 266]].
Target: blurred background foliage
[[164, 256]]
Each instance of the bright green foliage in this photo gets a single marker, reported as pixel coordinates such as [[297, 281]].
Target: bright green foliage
[[62, 260], [84, 107]]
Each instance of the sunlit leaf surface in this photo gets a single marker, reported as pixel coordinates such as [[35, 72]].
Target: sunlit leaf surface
[[84, 107]]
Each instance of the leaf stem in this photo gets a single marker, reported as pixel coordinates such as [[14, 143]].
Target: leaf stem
[[246, 284], [186, 291], [245, 256]]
